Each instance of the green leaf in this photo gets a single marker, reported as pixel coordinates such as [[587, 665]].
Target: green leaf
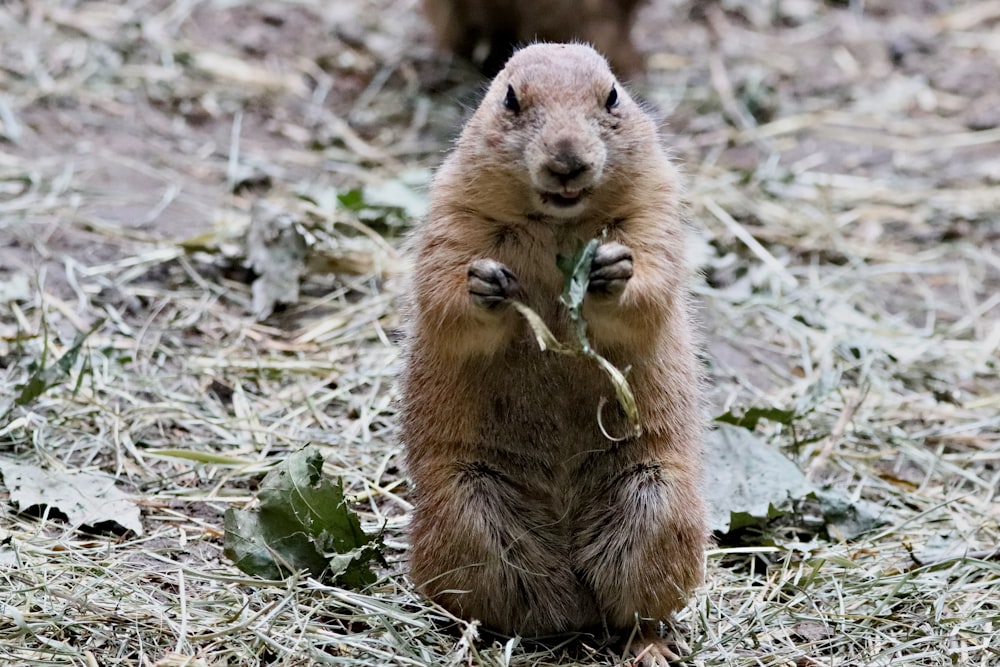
[[741, 520], [303, 523], [351, 569], [245, 545], [577, 278], [352, 200], [399, 195], [576, 272], [46, 377], [749, 418]]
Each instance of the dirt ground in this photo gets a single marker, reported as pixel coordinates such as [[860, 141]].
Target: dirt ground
[[843, 168]]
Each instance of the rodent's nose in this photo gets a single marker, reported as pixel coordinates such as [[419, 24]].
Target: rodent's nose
[[566, 166], [564, 162]]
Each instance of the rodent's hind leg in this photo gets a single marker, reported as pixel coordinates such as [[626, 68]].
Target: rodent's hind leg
[[640, 542], [486, 547]]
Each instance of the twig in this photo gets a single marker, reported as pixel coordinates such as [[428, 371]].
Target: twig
[[740, 232], [831, 441]]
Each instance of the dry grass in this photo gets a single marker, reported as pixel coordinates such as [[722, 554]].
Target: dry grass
[[850, 211]]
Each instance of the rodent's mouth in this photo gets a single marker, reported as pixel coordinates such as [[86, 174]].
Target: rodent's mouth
[[563, 199]]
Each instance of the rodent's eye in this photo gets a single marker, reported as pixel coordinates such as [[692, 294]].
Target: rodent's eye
[[510, 102], [612, 100]]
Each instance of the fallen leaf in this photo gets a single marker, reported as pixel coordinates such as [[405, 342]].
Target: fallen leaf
[[748, 483], [400, 194], [86, 499], [14, 286], [303, 523], [743, 476], [8, 557], [276, 251], [811, 631]]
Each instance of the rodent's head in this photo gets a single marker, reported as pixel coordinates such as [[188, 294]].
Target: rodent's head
[[559, 121]]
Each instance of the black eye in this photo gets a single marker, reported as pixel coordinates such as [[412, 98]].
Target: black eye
[[510, 101], [612, 100]]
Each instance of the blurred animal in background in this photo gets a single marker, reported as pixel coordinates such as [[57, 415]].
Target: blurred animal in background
[[486, 32]]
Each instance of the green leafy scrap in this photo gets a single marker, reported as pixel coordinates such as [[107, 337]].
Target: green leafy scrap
[[576, 272], [352, 200], [303, 523], [741, 520], [393, 202], [748, 419], [45, 377]]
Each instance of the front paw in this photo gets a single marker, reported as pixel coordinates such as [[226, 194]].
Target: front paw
[[490, 283], [610, 270]]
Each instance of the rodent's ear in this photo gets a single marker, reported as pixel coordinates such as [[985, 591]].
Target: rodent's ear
[[510, 102], [612, 100]]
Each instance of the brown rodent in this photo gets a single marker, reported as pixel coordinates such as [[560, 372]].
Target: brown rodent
[[464, 26], [527, 517]]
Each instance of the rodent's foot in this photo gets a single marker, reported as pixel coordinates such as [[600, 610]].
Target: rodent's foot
[[656, 653], [611, 269], [490, 283]]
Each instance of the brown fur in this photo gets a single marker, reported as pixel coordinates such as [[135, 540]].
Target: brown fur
[[526, 516], [462, 26]]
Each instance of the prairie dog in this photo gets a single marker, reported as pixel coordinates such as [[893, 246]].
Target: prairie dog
[[527, 517], [495, 27]]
